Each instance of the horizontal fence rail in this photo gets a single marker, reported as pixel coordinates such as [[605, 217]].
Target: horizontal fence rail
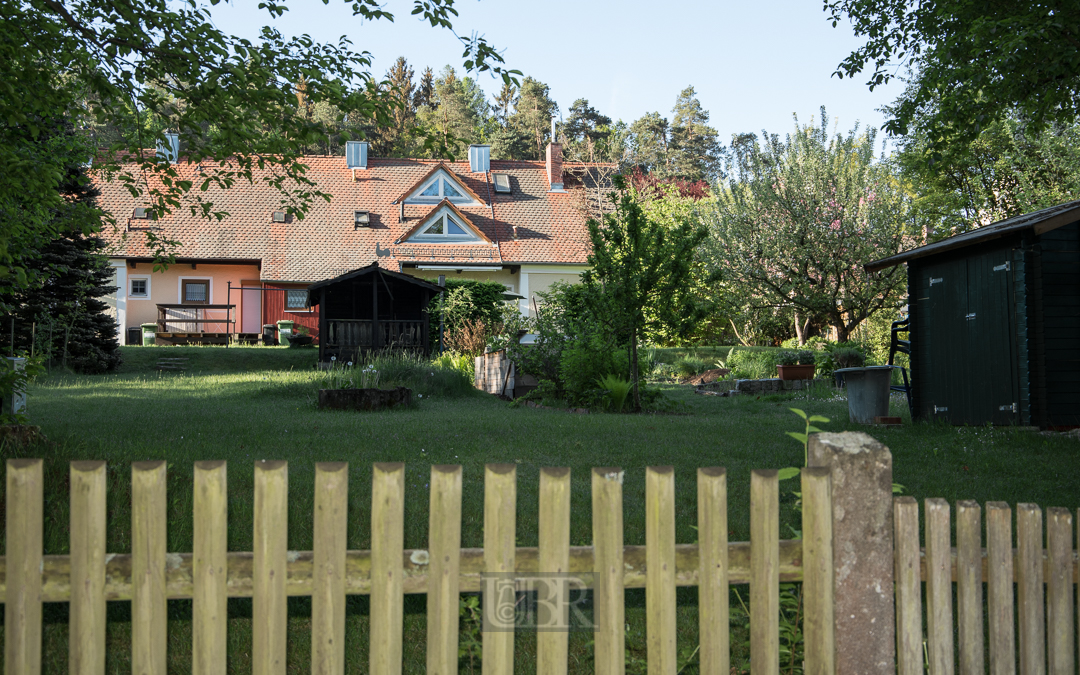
[[150, 576]]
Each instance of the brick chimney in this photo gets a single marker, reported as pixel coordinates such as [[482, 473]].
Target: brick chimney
[[554, 166]]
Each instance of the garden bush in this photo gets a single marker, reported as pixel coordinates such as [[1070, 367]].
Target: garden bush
[[747, 364], [443, 376], [688, 366]]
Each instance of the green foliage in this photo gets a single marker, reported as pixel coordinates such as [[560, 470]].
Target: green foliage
[[470, 633], [638, 279], [444, 376], [804, 436], [798, 219], [787, 358], [792, 641], [976, 61], [752, 364], [806, 357], [688, 366], [618, 389], [14, 380], [476, 316]]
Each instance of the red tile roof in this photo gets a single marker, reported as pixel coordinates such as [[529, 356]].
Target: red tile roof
[[550, 226]]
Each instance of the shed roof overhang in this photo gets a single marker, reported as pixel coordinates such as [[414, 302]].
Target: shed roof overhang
[[1040, 221], [313, 298]]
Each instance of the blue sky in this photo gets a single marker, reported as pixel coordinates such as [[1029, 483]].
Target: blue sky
[[753, 64]]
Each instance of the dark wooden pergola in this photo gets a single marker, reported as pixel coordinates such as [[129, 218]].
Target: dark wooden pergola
[[371, 309]]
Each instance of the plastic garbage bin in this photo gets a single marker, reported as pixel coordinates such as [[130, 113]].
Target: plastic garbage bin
[[134, 336], [149, 334], [867, 392], [284, 331], [268, 334]]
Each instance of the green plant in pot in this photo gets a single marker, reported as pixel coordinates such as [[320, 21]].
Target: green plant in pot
[[795, 365], [301, 337], [846, 357]]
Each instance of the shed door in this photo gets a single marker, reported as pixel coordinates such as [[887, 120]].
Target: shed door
[[969, 354]]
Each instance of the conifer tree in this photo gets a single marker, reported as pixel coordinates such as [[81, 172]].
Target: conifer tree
[[394, 138], [695, 152], [533, 113]]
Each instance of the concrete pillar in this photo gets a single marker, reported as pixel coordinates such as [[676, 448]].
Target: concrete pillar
[[862, 550]]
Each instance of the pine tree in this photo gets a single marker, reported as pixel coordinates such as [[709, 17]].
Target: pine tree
[[533, 113], [649, 144], [69, 274], [506, 100], [459, 111], [695, 152], [394, 139], [586, 129], [425, 92]]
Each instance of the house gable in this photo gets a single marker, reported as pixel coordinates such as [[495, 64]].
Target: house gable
[[438, 185], [445, 224]]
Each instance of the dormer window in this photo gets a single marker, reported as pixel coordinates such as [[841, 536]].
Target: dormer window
[[502, 182], [439, 187], [445, 226]]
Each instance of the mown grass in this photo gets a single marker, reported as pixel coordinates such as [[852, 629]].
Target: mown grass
[[246, 404]]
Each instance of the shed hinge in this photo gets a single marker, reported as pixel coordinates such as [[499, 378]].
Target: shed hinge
[[940, 409], [1003, 268], [971, 316], [939, 280], [1008, 408]]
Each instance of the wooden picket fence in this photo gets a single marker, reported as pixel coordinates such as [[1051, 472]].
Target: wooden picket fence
[[1044, 624], [150, 576]]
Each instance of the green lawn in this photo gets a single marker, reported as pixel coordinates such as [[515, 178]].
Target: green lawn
[[246, 404]]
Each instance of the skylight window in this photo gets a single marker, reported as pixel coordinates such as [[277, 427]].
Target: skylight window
[[502, 182]]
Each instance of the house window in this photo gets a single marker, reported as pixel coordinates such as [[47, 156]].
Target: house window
[[296, 299], [439, 188], [140, 288], [502, 182], [195, 292], [444, 228]]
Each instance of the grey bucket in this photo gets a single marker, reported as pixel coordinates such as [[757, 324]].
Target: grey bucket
[[867, 392]]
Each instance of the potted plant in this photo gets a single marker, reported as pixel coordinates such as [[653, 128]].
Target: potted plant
[[795, 365], [301, 337], [846, 357]]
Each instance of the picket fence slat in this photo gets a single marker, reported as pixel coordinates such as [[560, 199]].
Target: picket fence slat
[[939, 625], [328, 588], [444, 547], [86, 622], [969, 594], [500, 533], [909, 657], [999, 589], [661, 653], [765, 571], [608, 594], [1029, 589], [713, 594], [387, 544], [22, 600], [1059, 592], [209, 596], [149, 604], [818, 575], [270, 610], [553, 646]]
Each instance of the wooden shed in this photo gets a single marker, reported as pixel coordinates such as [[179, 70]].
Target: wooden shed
[[370, 309], [995, 322]]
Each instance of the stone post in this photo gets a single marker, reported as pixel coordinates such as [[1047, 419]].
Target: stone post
[[865, 623]]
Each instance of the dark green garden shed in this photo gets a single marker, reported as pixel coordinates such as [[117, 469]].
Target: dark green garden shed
[[995, 322]]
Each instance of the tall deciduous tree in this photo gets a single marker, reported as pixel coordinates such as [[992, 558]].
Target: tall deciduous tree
[[979, 60], [639, 271], [798, 219]]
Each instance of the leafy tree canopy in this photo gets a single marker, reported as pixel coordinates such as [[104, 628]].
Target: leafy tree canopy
[[979, 60], [799, 217]]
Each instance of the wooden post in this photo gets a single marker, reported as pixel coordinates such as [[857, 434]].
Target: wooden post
[[819, 621], [1059, 592], [939, 624], [376, 334], [328, 585], [210, 608], [909, 635], [969, 588], [660, 570], [444, 554], [608, 593], [500, 504], [86, 631], [1030, 604], [713, 611], [863, 562], [999, 588], [270, 610], [23, 559], [552, 646], [765, 571], [387, 544], [149, 628]]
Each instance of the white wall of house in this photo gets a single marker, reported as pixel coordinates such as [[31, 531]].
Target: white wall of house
[[526, 282]]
